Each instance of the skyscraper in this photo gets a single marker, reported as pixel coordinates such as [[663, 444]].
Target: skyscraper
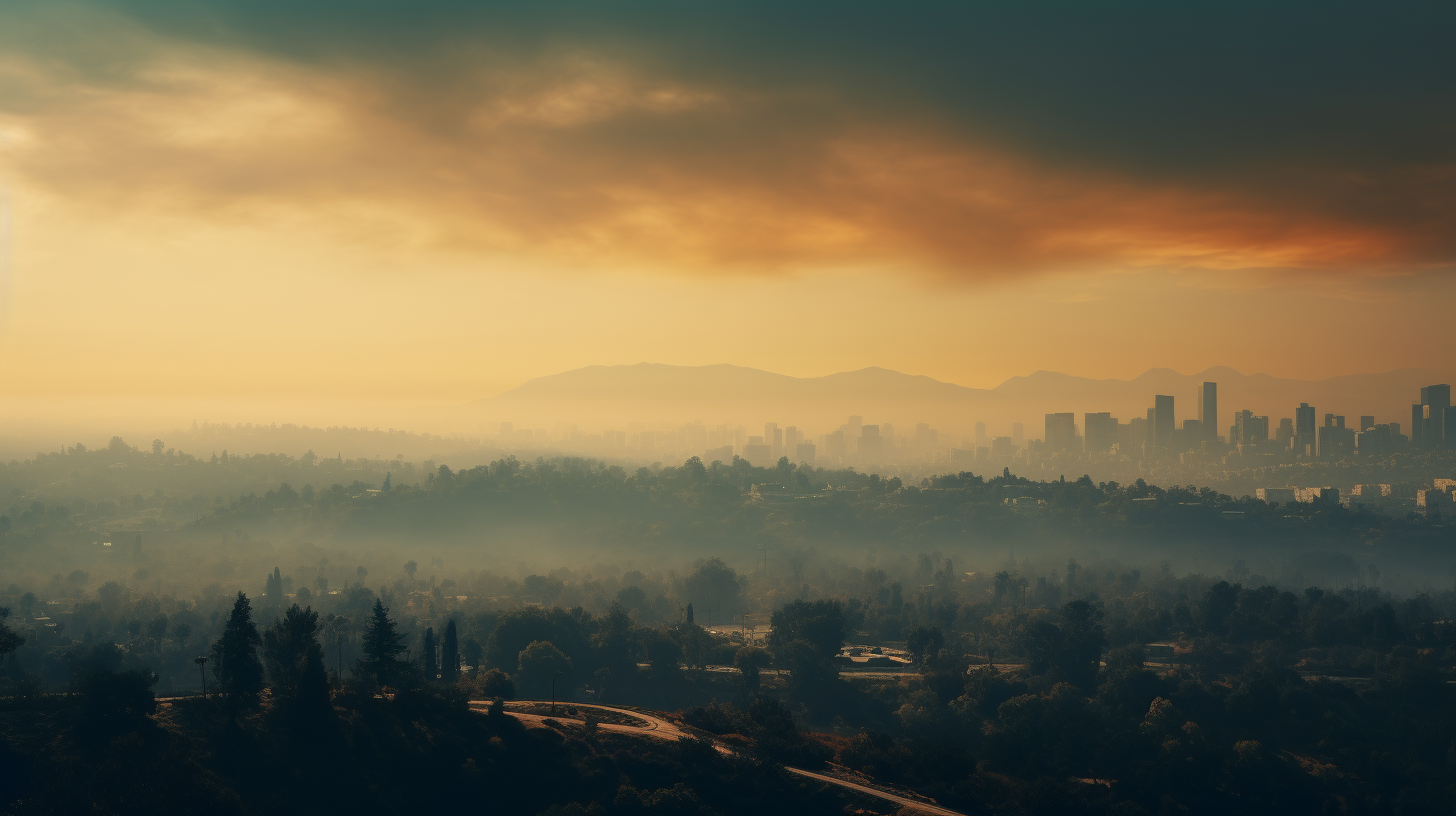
[[1208, 411], [1163, 422], [1435, 404], [1061, 432], [1305, 427], [1099, 432]]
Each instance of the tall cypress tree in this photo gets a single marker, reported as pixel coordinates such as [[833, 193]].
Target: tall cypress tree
[[427, 654], [235, 661], [382, 647], [450, 655]]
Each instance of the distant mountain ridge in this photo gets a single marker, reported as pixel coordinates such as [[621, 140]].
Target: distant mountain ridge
[[646, 392]]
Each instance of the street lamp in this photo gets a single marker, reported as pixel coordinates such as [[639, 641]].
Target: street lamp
[[201, 661], [553, 693]]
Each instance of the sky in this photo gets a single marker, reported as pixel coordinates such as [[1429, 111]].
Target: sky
[[299, 205]]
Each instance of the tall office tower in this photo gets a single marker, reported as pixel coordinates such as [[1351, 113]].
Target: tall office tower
[[871, 446], [771, 430], [791, 440], [1061, 433], [1285, 432], [1249, 429], [1366, 422], [1018, 435], [1208, 411], [804, 452], [981, 437], [1418, 415], [855, 423], [1163, 422], [1436, 400], [1133, 436], [925, 436], [1099, 432], [1304, 430], [778, 443], [1002, 448]]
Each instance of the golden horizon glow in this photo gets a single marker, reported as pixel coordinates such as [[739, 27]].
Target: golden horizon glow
[[203, 220]]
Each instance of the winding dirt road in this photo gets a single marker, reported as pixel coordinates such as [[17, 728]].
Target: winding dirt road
[[658, 728]]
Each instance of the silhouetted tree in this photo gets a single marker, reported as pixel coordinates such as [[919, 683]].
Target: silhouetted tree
[[427, 653], [295, 661], [450, 654], [235, 661], [382, 647], [537, 664], [9, 641], [496, 684], [750, 660]]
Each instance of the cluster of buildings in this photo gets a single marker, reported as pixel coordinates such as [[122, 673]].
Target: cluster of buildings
[[1305, 435]]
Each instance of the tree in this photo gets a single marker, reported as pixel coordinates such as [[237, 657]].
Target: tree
[[9, 641], [818, 623], [273, 587], [427, 654], [750, 660], [235, 661], [450, 654], [295, 661], [409, 569], [497, 684], [158, 447], [537, 665], [382, 647], [924, 643], [713, 585]]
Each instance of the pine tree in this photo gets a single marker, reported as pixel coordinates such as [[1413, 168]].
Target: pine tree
[[382, 647], [295, 662], [235, 661], [450, 655], [427, 654]]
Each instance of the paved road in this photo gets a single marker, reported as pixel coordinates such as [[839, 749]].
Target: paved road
[[659, 728]]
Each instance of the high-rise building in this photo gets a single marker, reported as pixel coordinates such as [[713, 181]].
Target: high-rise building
[[1099, 432], [805, 452], [1163, 422], [1061, 432], [1335, 440], [981, 437], [1249, 429], [1304, 430], [1285, 433], [871, 446], [791, 440], [1002, 448], [774, 438], [1366, 422], [1018, 435], [1435, 406], [1208, 410]]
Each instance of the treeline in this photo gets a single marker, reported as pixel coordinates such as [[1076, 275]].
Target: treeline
[[166, 489], [391, 738]]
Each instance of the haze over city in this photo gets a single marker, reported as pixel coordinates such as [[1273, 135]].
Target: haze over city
[[622, 408]]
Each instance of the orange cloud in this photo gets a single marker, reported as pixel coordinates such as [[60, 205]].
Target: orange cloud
[[595, 164]]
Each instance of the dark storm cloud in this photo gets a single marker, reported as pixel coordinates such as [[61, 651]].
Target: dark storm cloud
[[1007, 136]]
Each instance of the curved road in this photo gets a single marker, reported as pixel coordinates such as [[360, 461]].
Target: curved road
[[659, 728]]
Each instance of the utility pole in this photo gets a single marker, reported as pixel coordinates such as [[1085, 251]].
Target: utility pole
[[202, 661], [553, 693]]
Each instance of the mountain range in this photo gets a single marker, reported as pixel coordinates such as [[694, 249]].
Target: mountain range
[[615, 396]]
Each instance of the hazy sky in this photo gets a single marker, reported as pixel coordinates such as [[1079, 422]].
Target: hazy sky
[[432, 200]]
